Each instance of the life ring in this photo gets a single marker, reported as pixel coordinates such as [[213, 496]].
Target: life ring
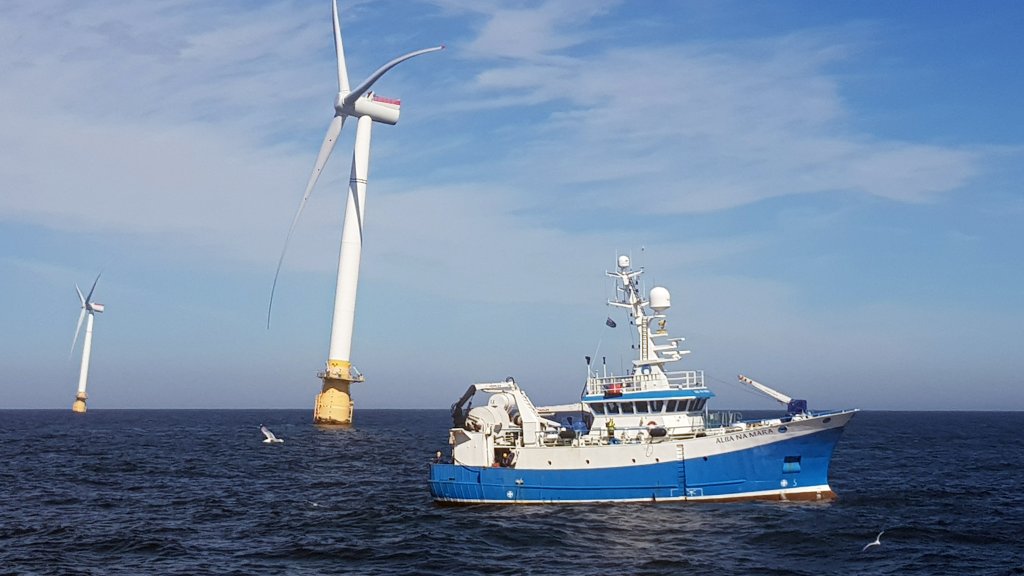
[[651, 424]]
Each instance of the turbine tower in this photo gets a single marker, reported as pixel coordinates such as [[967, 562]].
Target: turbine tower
[[88, 308], [334, 403]]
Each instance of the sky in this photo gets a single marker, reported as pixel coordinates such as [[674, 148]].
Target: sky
[[830, 191]]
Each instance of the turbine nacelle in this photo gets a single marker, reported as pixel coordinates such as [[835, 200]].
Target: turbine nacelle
[[95, 307], [378, 108], [361, 101]]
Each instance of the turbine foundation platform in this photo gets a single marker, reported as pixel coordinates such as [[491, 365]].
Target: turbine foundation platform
[[79, 405], [334, 404]]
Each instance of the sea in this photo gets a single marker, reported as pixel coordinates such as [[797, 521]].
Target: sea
[[197, 492]]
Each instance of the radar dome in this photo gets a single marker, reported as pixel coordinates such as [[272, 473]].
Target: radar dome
[[661, 300], [623, 261]]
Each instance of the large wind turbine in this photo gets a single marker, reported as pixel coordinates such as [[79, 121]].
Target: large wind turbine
[[88, 308], [334, 403]]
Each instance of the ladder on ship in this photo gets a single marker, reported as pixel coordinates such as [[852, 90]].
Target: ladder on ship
[[645, 339], [681, 463]]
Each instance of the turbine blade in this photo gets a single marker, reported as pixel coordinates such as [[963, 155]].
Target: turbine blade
[[339, 49], [88, 298], [325, 152], [78, 329], [362, 88], [80, 297]]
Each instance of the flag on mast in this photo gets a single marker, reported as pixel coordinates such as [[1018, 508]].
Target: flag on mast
[[610, 323]]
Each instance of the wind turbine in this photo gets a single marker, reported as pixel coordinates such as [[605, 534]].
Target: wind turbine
[[334, 403], [88, 308]]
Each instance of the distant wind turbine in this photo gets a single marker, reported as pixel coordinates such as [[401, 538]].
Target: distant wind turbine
[[334, 403], [88, 308]]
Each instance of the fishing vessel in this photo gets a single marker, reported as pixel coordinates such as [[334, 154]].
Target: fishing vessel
[[646, 435]]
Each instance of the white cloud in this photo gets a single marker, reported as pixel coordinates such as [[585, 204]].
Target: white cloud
[[529, 33], [159, 114], [701, 129]]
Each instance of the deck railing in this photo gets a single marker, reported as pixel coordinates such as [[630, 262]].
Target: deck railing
[[616, 385]]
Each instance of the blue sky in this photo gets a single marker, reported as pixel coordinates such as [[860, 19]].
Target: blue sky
[[831, 191]]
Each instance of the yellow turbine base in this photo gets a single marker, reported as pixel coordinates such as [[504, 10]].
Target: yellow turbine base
[[79, 405], [334, 404]]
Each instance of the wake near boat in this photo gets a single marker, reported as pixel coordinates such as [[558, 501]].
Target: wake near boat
[[644, 436]]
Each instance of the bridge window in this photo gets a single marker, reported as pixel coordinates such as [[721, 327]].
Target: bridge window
[[657, 405], [612, 408], [597, 407], [627, 408]]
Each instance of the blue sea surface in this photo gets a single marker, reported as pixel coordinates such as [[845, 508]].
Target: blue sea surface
[[197, 492]]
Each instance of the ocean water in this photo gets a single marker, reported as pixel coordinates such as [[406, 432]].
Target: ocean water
[[197, 492]]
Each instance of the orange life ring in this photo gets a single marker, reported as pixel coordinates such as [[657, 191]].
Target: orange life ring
[[651, 424]]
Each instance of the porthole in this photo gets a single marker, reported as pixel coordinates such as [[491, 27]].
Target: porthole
[[826, 420], [782, 429]]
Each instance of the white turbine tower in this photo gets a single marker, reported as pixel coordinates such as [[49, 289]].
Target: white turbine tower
[[334, 403], [88, 308]]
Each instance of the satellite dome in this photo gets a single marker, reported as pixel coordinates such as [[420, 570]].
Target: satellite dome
[[661, 300], [623, 261]]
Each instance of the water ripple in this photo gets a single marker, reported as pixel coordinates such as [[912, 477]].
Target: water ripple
[[196, 492]]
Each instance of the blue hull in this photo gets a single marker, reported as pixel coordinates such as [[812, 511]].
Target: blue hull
[[792, 469]]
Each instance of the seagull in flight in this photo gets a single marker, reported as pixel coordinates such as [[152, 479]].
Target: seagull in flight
[[270, 438], [877, 542]]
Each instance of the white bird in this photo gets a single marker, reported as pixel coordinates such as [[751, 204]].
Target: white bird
[[270, 438], [877, 542]]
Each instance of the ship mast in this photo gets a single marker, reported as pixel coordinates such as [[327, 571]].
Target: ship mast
[[651, 355]]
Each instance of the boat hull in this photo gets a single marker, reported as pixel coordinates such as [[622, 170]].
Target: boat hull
[[788, 461]]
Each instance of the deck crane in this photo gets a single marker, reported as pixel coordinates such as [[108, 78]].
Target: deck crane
[[793, 407]]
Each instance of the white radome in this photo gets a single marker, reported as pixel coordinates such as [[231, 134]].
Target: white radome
[[661, 300]]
